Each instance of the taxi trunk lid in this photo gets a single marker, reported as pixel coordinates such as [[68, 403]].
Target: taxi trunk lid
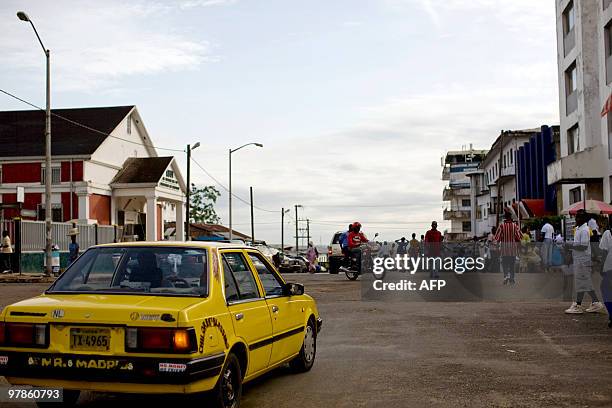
[[101, 309]]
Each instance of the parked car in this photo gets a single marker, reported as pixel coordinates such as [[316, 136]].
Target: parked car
[[166, 318], [293, 264], [268, 251], [334, 253]]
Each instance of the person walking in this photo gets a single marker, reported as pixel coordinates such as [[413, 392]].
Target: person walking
[[402, 245], [415, 247], [582, 267], [548, 234], [508, 235], [7, 252], [312, 255], [73, 247], [605, 244], [433, 247]]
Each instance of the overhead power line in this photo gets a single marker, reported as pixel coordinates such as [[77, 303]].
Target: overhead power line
[[227, 189]]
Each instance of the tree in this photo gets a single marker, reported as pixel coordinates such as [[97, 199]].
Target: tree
[[202, 204]]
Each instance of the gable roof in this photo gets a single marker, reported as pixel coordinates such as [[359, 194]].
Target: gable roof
[[142, 170], [22, 132]]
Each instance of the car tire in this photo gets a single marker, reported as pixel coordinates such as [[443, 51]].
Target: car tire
[[70, 399], [228, 391], [305, 360]]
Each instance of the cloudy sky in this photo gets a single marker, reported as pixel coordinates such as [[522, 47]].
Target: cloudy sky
[[355, 101]]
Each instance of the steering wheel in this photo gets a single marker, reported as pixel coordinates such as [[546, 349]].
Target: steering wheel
[[179, 282]]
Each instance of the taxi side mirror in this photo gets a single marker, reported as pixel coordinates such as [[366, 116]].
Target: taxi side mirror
[[294, 289]]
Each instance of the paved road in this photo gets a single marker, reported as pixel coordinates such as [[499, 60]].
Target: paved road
[[443, 354]]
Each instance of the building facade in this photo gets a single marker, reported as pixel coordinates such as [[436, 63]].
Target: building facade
[[456, 166], [513, 176], [105, 170], [584, 164]]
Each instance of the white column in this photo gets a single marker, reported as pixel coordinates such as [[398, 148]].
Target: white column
[[83, 206], [180, 220], [151, 218], [113, 210]]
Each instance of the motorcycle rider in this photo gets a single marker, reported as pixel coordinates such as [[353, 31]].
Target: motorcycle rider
[[355, 239], [344, 241]]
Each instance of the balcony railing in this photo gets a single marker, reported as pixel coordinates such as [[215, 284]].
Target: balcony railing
[[455, 214]]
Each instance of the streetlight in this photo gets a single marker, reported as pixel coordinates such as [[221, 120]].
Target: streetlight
[[231, 232], [48, 211], [283, 212], [188, 203]]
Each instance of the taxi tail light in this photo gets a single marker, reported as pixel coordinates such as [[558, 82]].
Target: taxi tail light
[[330, 251], [150, 339], [25, 334]]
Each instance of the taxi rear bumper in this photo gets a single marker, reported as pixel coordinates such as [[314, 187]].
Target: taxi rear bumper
[[122, 369]]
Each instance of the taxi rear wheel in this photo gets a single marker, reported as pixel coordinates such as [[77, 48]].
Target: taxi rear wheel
[[305, 360], [228, 390]]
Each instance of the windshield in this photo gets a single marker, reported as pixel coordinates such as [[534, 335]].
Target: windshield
[[142, 270]]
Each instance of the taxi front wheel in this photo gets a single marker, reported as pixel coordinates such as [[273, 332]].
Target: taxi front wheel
[[304, 361], [228, 390]]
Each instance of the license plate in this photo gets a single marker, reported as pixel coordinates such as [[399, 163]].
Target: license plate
[[87, 339]]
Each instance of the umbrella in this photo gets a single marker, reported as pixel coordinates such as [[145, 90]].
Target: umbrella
[[591, 206]]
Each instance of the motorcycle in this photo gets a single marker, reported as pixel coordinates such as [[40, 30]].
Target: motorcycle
[[350, 266]]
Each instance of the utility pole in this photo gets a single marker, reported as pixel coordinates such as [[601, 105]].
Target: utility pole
[[48, 210], [283, 212], [252, 219], [307, 231], [188, 192], [297, 234]]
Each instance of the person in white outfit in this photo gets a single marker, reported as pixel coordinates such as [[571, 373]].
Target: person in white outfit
[[582, 267], [593, 225], [548, 232]]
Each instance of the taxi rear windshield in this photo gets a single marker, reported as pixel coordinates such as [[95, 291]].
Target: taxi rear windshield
[[137, 270]]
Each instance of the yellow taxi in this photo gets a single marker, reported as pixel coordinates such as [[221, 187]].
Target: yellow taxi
[[167, 318]]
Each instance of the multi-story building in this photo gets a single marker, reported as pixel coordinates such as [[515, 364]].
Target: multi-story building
[[584, 51], [511, 176], [455, 167], [105, 170]]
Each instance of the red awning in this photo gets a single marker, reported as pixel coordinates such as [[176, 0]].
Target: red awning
[[531, 208]]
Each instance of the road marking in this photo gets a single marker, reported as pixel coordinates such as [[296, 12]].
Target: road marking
[[552, 344]]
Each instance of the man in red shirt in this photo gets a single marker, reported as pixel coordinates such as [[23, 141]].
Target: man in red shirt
[[508, 235], [355, 239], [433, 246]]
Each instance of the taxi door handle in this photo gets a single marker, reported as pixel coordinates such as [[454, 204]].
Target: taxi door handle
[[239, 316], [274, 309]]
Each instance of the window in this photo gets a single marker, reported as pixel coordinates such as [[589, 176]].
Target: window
[[57, 214], [575, 195], [511, 157], [271, 283], [571, 79], [231, 290], [466, 203], [569, 18], [129, 125], [573, 140], [245, 282], [505, 162], [56, 175], [466, 226], [140, 270]]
